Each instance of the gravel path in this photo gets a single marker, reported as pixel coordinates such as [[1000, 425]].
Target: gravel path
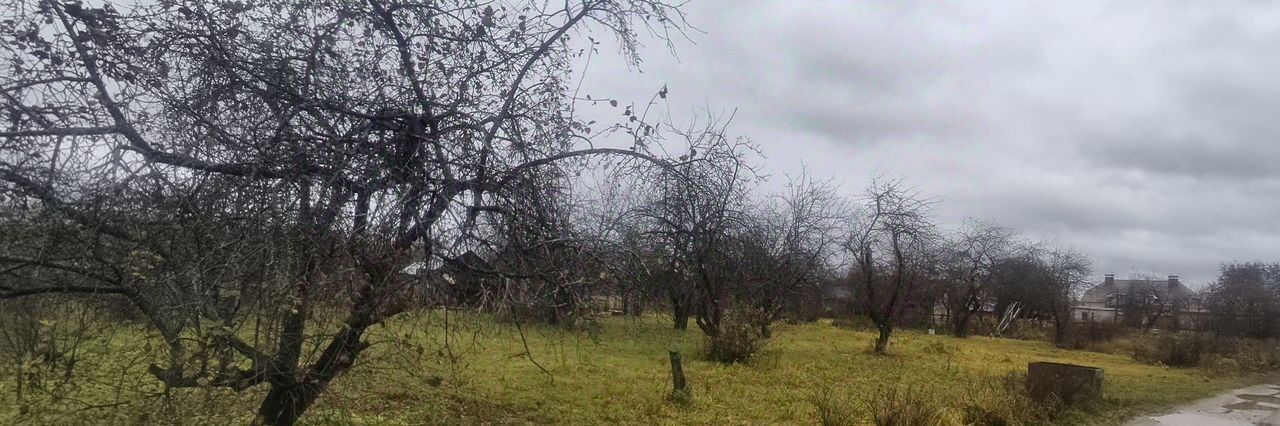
[[1255, 405]]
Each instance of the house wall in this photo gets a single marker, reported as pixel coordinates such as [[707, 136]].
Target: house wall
[[1098, 312], [1092, 312]]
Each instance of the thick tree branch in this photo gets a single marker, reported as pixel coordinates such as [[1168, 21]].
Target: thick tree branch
[[63, 289], [66, 131]]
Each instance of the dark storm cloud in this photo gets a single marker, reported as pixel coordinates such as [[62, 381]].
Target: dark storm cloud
[[1145, 132]]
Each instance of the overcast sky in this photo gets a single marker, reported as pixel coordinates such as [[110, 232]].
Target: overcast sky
[[1142, 132]]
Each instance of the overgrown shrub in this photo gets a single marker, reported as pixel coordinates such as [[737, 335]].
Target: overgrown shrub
[[1082, 335], [742, 336], [1123, 345], [1000, 400], [681, 397], [1003, 400], [834, 407], [1029, 330], [1240, 355], [1174, 349], [804, 316], [540, 313], [893, 405], [40, 345], [858, 322], [940, 347], [1223, 354]]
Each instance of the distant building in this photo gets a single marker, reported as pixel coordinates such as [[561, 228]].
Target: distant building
[[456, 281], [837, 299], [1168, 302]]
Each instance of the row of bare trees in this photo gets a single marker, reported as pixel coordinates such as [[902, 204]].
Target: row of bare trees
[[277, 177], [902, 260], [707, 245]]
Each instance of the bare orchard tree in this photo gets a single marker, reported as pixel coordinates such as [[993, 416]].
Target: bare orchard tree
[[796, 236], [632, 260], [697, 208], [972, 254], [362, 133], [1066, 277], [1245, 300], [1016, 282], [891, 245], [1149, 299], [538, 257]]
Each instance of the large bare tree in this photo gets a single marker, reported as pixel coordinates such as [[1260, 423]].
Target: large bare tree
[[279, 141], [1245, 300], [972, 254], [891, 242], [1066, 275], [792, 243], [697, 208]]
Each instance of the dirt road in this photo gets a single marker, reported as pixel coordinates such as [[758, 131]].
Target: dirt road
[[1255, 405]]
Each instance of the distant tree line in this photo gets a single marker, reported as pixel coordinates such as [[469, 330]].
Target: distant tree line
[[1245, 300]]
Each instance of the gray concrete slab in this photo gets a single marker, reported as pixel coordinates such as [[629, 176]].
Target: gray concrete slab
[[1254, 405]]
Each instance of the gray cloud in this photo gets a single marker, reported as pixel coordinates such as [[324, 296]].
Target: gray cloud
[[1144, 132]]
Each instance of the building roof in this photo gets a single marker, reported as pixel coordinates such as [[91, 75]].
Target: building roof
[[468, 262], [1168, 289]]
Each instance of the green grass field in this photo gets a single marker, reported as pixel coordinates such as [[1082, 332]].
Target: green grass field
[[616, 374]]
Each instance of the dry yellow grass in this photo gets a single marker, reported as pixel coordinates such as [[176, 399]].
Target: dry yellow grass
[[490, 374]]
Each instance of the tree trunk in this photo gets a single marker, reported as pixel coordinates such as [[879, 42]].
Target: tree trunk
[[631, 305], [882, 341], [288, 399], [680, 314], [960, 325], [678, 382], [1059, 332], [709, 325], [283, 404]]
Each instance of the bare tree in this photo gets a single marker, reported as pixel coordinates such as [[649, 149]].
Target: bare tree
[[1245, 300], [698, 208], [792, 244], [973, 253], [890, 243], [328, 143], [631, 261], [1149, 299], [1066, 275]]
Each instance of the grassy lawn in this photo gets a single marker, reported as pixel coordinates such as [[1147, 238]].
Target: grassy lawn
[[616, 374]]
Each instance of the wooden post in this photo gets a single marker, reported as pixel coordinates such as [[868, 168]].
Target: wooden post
[[677, 374]]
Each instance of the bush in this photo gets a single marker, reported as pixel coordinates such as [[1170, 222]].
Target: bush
[[1174, 349], [833, 408], [893, 405], [1003, 400], [1249, 354], [1239, 355], [1029, 330], [859, 323], [743, 333], [40, 345], [1222, 354], [986, 400], [681, 397], [1084, 335], [1124, 345]]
